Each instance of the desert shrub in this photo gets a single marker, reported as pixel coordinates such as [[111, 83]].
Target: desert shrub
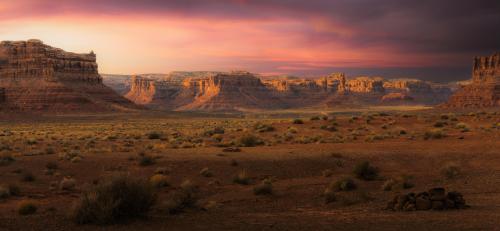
[[325, 117], [259, 127], [462, 126], [241, 178], [434, 134], [206, 172], [451, 170], [249, 141], [162, 171], [27, 177], [4, 192], [114, 199], [327, 173], [146, 160], [6, 159], [211, 132], [365, 171], [51, 165], [67, 184], [14, 190], [440, 124], [344, 184], [26, 208], [264, 188], [185, 197], [159, 180], [314, 118], [298, 121], [153, 135], [329, 194]]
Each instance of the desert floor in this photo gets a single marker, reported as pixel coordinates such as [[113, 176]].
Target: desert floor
[[294, 156]]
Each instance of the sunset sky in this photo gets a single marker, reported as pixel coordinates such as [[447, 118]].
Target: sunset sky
[[430, 39]]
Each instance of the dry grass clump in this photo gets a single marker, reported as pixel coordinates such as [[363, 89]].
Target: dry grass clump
[[67, 184], [344, 184], [6, 159], [462, 126], [163, 170], [297, 121], [9, 190], [451, 170], [185, 197], [365, 171], [146, 160], [434, 134], [159, 181], [241, 178], [26, 208], [264, 188], [259, 127], [327, 173], [27, 176], [114, 199], [250, 141], [206, 172], [154, 135]]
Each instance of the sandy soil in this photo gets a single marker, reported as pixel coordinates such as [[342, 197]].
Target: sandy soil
[[296, 167]]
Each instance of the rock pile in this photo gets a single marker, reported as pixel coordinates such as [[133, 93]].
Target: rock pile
[[435, 199]]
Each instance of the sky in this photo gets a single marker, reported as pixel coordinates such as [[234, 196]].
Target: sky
[[428, 39]]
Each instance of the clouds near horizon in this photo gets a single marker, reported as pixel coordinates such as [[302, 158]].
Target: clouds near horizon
[[269, 36]]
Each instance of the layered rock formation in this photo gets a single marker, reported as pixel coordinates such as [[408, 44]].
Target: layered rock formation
[[484, 90], [35, 76], [242, 90]]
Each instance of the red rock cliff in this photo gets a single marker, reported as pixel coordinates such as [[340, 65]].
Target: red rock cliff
[[36, 76]]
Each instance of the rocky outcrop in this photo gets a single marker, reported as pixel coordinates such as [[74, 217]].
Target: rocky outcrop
[[242, 90], [35, 76], [396, 98], [229, 91], [484, 90], [435, 199]]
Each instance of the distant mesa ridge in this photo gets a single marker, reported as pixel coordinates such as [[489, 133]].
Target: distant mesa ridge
[[218, 91], [35, 76], [484, 89]]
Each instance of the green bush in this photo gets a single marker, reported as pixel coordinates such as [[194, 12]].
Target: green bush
[[365, 171]]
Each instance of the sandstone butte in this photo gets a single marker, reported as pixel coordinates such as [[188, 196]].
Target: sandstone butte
[[215, 91], [35, 77], [484, 89]]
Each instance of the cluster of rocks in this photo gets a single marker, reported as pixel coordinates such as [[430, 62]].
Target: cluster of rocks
[[435, 199]]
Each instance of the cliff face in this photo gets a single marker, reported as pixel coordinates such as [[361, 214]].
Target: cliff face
[[229, 91], [484, 90], [35, 76], [241, 90]]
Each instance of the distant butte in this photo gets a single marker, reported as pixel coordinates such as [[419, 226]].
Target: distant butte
[[484, 90], [35, 76]]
